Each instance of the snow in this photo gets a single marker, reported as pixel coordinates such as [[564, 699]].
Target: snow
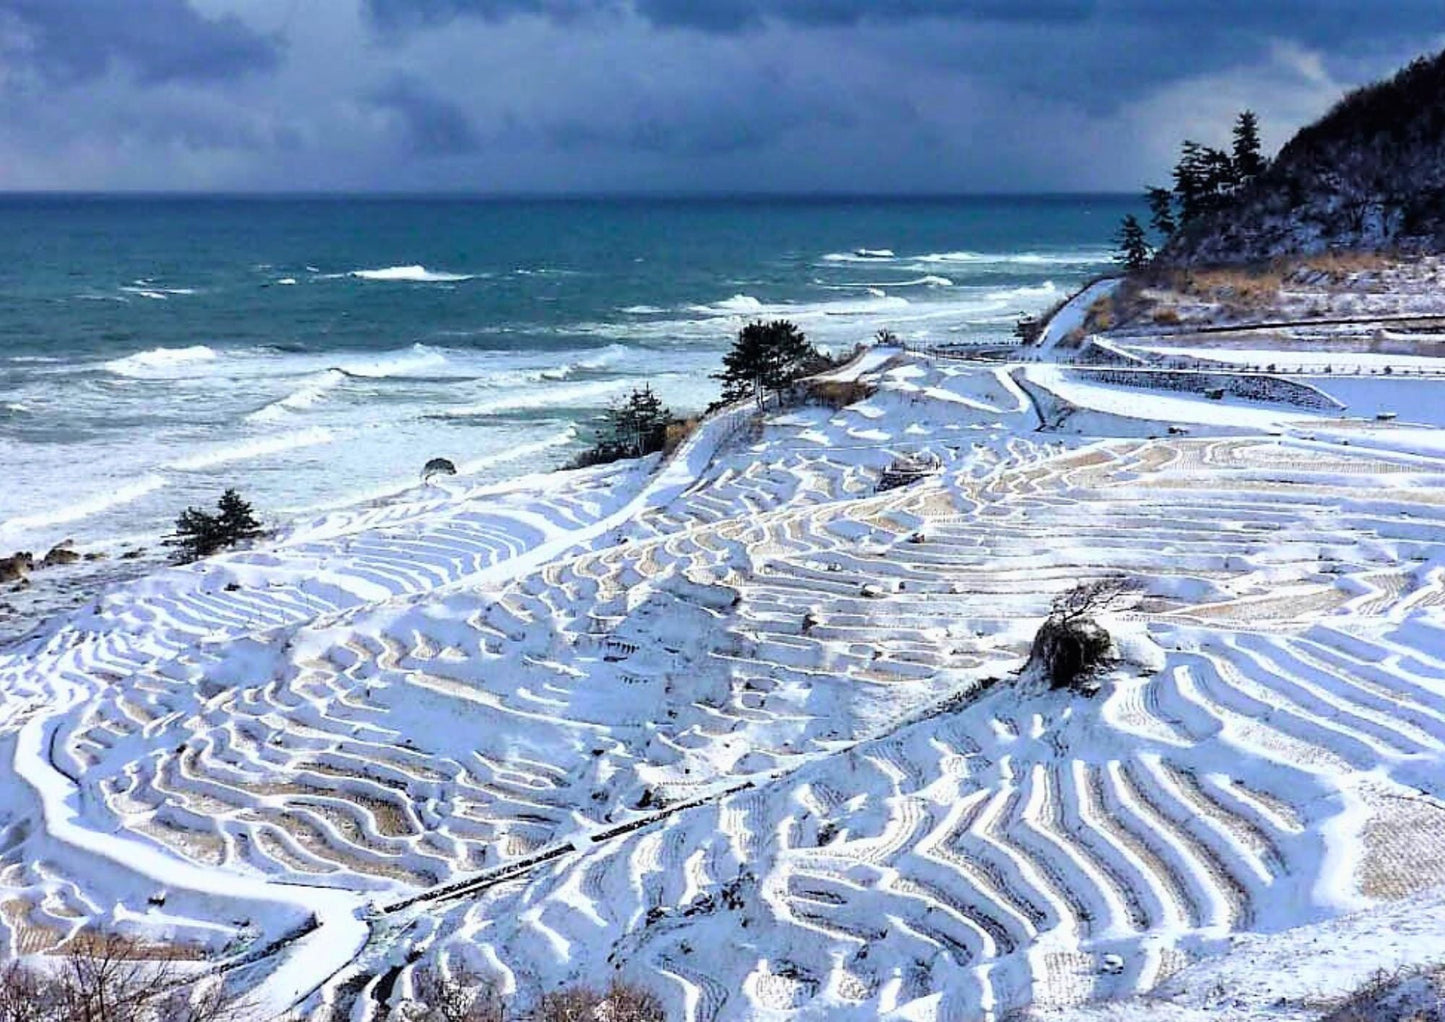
[[740, 727]]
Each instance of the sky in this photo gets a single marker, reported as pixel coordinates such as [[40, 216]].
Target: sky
[[667, 96]]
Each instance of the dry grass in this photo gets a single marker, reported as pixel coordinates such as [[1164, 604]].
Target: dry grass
[[1101, 315], [1405, 995], [837, 394], [676, 432]]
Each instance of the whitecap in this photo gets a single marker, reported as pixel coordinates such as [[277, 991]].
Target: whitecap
[[861, 255], [253, 449], [145, 363], [737, 305], [413, 274], [287, 281], [641, 310], [75, 510], [300, 399], [542, 397], [418, 356]]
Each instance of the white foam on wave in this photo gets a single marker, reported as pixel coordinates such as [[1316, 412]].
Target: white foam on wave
[[253, 449], [146, 289], [287, 281], [1076, 258], [304, 397], [413, 274], [861, 255], [559, 439], [600, 359], [160, 360], [542, 397], [410, 360], [75, 510], [737, 305], [641, 310]]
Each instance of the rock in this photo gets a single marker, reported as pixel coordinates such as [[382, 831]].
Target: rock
[[96, 555], [438, 466], [60, 554], [16, 566], [131, 555]]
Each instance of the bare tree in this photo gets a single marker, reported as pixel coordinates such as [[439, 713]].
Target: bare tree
[[460, 995], [103, 978]]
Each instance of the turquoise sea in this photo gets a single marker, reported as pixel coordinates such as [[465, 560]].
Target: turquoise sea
[[316, 352]]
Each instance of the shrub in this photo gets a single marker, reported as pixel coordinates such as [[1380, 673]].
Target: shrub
[[1071, 647], [199, 534]]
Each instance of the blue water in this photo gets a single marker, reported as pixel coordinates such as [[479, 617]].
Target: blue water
[[315, 352]]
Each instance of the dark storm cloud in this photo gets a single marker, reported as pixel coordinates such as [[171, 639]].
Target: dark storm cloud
[[1098, 52], [1338, 21], [431, 124], [160, 40]]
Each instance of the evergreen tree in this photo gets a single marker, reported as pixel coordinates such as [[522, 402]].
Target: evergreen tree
[[1204, 180], [1248, 163], [765, 356], [1161, 211], [1133, 244], [638, 425], [200, 534], [236, 521]]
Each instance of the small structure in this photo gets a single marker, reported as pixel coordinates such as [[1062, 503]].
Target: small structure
[[908, 468]]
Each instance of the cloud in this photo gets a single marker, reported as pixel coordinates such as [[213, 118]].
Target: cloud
[[655, 95], [158, 40], [431, 124]]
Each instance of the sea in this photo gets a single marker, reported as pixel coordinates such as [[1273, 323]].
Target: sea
[[317, 352]]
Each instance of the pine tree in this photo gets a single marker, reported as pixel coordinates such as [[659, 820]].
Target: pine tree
[[1248, 163], [197, 535], [639, 424], [1133, 244], [765, 356], [1161, 211], [200, 534], [236, 521]]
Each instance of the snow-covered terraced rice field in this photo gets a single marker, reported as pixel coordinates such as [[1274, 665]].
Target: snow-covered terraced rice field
[[750, 733]]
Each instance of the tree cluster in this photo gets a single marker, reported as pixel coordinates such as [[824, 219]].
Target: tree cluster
[[200, 534], [1205, 180], [463, 996], [630, 428], [766, 357], [100, 979]]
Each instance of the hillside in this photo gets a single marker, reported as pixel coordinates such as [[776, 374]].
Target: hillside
[[1368, 175], [747, 730]]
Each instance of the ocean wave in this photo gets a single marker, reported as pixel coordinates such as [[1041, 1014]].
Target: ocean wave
[[737, 305], [1078, 258], [641, 310], [287, 281], [418, 356], [861, 255], [253, 449], [300, 399], [147, 363], [598, 360], [75, 510], [413, 274], [542, 397], [560, 439], [146, 289]]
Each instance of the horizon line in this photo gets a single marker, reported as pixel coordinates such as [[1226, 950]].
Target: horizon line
[[603, 196]]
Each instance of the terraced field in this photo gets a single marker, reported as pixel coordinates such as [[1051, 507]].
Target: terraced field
[[751, 733]]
